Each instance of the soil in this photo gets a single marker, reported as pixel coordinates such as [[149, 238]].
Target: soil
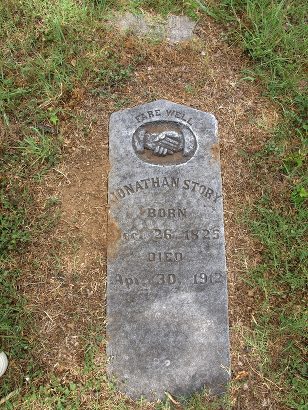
[[65, 270]]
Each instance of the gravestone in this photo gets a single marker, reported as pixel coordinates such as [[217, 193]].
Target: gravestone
[[167, 323], [173, 29]]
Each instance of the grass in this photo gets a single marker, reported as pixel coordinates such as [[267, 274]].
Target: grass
[[43, 63], [165, 7], [52, 51], [274, 35]]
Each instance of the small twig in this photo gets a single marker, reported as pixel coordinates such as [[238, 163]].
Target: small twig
[[172, 399], [60, 172], [48, 315], [9, 396], [46, 103], [263, 377]]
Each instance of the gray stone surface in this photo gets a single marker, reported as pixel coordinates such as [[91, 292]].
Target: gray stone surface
[[173, 29], [167, 321], [179, 28]]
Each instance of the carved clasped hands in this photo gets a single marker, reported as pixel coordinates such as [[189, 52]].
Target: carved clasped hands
[[161, 144]]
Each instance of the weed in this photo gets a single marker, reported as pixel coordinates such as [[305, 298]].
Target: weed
[[203, 401], [39, 148], [14, 221], [49, 51], [165, 7], [274, 34], [13, 321]]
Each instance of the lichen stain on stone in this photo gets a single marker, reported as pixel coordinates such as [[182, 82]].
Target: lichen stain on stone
[[114, 236], [215, 151]]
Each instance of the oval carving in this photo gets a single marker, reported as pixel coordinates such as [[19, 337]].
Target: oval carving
[[164, 143]]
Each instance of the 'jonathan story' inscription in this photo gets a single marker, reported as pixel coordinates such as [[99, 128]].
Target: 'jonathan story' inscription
[[164, 182], [167, 322]]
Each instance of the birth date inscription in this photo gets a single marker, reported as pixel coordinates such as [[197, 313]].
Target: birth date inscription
[[157, 234]]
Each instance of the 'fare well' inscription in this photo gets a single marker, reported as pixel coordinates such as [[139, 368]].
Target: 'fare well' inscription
[[166, 287]]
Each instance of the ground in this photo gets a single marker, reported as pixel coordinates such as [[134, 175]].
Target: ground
[[64, 268], [67, 293]]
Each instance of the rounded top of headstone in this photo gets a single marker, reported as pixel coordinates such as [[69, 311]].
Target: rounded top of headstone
[[163, 133]]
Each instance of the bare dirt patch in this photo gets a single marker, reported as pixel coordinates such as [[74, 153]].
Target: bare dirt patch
[[64, 272]]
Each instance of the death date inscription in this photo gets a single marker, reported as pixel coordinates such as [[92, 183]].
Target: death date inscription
[[168, 279]]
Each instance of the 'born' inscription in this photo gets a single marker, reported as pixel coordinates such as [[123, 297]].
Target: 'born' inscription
[[166, 213]]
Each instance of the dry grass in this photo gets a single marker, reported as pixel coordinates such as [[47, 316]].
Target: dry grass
[[64, 271]]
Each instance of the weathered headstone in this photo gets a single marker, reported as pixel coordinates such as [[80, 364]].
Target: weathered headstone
[[173, 29], [167, 322]]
